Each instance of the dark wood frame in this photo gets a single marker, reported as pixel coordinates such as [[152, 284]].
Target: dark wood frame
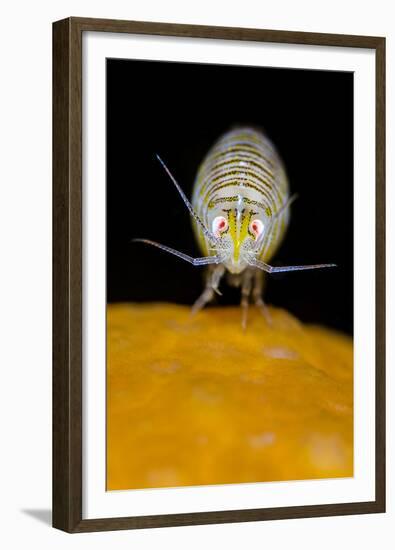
[[67, 274]]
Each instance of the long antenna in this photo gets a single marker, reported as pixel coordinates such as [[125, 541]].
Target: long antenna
[[210, 236], [206, 260], [284, 268]]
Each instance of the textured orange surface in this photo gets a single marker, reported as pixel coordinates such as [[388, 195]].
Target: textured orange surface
[[194, 401]]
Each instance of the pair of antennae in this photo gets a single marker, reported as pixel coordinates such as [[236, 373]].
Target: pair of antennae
[[207, 260]]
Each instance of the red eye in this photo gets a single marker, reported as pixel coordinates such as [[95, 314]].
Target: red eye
[[256, 227], [220, 224]]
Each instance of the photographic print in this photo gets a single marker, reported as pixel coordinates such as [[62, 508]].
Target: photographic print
[[218, 274], [229, 274]]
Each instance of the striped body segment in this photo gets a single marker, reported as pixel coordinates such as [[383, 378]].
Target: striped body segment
[[242, 178]]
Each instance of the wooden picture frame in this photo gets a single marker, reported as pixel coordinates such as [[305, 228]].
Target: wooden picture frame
[[67, 274]]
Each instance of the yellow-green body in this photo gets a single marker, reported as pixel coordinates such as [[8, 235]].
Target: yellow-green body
[[242, 178]]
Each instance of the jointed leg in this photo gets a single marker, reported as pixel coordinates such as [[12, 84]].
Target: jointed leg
[[245, 295], [257, 295], [212, 282]]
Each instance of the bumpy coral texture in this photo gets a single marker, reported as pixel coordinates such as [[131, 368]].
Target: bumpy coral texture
[[196, 401]]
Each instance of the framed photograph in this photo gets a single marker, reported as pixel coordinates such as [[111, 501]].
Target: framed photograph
[[218, 275]]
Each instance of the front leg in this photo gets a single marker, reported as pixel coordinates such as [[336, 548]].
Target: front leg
[[246, 285], [259, 278], [212, 282]]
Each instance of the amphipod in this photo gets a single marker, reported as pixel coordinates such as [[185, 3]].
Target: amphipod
[[240, 209]]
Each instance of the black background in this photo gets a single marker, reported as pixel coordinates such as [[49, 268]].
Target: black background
[[178, 110]]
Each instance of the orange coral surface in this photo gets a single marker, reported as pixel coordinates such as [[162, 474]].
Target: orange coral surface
[[194, 401]]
